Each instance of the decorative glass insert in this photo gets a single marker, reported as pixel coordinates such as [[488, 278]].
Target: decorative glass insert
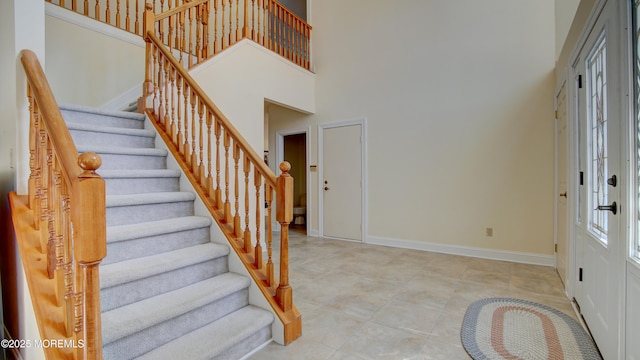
[[597, 138]]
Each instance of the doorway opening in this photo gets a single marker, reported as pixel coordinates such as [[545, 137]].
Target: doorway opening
[[293, 148]]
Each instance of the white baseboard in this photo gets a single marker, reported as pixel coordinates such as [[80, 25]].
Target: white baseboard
[[491, 254]]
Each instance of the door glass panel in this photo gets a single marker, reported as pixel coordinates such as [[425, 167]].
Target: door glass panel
[[597, 139]]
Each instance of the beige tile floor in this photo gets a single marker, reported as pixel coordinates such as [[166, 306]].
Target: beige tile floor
[[362, 301]]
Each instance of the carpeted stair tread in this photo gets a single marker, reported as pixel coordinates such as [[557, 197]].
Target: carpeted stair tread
[[148, 198], [111, 130], [134, 231], [135, 269], [122, 150], [140, 173], [103, 112], [132, 318], [199, 344]]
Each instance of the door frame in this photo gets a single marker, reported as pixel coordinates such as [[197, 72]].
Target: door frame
[[571, 188], [621, 22], [363, 160], [280, 134]]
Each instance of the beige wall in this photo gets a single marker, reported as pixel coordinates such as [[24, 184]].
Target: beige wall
[[458, 96], [243, 77], [88, 68], [565, 11]]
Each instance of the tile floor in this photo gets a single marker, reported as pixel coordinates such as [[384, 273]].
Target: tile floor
[[371, 302]]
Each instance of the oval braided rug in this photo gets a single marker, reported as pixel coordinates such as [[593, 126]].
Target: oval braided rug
[[503, 328]]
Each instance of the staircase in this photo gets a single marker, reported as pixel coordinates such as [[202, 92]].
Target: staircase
[[166, 290]]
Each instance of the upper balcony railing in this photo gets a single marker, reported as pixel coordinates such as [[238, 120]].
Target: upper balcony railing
[[215, 26]]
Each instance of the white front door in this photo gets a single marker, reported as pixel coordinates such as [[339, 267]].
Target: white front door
[[599, 237], [341, 189]]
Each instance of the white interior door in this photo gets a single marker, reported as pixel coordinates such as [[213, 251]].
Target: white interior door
[[598, 233], [561, 174], [342, 182]]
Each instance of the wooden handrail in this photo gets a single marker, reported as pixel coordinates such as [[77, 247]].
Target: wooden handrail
[[67, 202], [220, 164]]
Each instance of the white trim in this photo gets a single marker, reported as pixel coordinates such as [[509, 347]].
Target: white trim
[[363, 135], [280, 134], [91, 24], [124, 100], [491, 254]]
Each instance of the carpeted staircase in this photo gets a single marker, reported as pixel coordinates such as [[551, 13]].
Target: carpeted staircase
[[166, 290]]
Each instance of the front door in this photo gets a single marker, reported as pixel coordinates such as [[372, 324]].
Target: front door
[[598, 233], [342, 182]]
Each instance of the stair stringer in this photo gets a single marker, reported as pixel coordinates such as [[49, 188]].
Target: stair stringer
[[256, 297]]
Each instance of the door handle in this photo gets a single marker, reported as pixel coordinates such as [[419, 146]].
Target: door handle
[[613, 207], [326, 188], [613, 181]]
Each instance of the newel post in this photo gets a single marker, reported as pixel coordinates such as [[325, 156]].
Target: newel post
[[284, 215], [90, 247], [148, 19]]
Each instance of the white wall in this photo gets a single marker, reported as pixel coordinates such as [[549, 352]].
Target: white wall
[[240, 80], [87, 67], [565, 10], [458, 96]]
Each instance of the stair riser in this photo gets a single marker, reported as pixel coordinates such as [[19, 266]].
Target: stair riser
[[133, 291], [121, 186], [123, 162], [249, 344], [147, 246], [123, 215], [101, 120], [150, 338], [82, 137]]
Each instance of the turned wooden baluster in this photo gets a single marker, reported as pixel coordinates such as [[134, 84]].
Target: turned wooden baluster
[[44, 192], [171, 24], [230, 22], [215, 26], [193, 161], [86, 8], [206, 12], [227, 203], [137, 22], [191, 47], [198, 46], [269, 267], [245, 25], [218, 192], [257, 182], [107, 12], [200, 167], [236, 219], [118, 14], [51, 214], [172, 78], [209, 182], [90, 247], [165, 86], [184, 145], [34, 125], [238, 28], [97, 10], [127, 18], [183, 37], [177, 138], [247, 232], [284, 215], [68, 265]]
